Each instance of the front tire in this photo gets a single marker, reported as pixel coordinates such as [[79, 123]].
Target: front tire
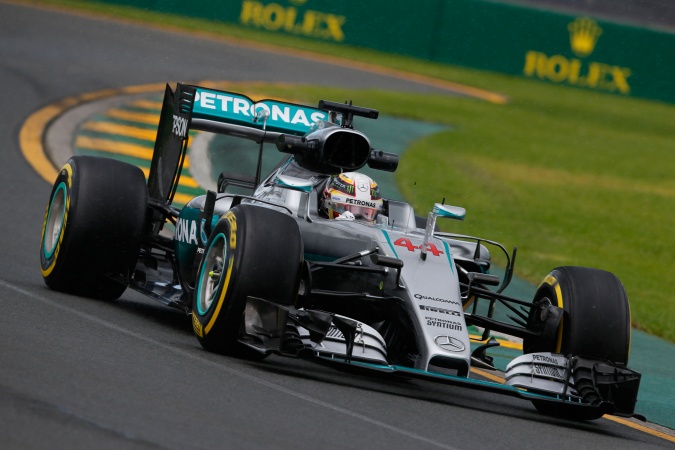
[[252, 251], [596, 314], [595, 324], [93, 227]]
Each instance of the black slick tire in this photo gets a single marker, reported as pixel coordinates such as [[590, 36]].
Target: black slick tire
[[93, 227], [595, 325], [252, 251], [596, 314]]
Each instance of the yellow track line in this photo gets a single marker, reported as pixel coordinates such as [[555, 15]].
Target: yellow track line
[[122, 130], [488, 375], [146, 118], [469, 91], [147, 104], [112, 146], [502, 342], [185, 181], [30, 141], [136, 151], [181, 199], [637, 426], [120, 148], [33, 129]]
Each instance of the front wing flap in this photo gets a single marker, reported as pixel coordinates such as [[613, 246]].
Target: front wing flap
[[572, 405]]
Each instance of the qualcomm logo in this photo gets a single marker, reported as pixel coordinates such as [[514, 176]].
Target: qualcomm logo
[[584, 34], [449, 343]]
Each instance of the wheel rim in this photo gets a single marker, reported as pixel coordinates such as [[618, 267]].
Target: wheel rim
[[55, 221], [210, 278]]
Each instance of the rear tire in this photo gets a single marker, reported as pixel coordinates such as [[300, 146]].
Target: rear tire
[[252, 251], [93, 227]]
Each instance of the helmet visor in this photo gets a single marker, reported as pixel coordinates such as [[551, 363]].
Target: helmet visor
[[360, 212]]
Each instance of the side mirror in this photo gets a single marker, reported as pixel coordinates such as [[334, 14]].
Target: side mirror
[[288, 143], [380, 160]]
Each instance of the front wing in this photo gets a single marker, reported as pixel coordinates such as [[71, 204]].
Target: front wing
[[570, 405]]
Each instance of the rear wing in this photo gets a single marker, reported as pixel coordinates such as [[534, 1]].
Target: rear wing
[[171, 143], [198, 108], [235, 114]]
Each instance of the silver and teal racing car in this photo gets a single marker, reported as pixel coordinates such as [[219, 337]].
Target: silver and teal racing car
[[261, 271]]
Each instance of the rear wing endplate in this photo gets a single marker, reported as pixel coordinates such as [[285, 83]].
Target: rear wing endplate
[[171, 143]]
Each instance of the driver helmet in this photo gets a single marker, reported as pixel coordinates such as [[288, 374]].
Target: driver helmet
[[351, 195]]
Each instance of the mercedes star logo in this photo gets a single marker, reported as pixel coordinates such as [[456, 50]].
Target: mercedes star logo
[[450, 344]]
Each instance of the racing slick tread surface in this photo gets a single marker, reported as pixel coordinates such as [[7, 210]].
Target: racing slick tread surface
[[106, 203]]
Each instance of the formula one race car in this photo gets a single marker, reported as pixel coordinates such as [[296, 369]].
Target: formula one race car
[[305, 267]]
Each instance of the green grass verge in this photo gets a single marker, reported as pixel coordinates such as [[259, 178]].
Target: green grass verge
[[572, 177]]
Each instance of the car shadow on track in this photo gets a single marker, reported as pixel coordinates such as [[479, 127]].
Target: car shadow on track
[[409, 388], [445, 395], [164, 316]]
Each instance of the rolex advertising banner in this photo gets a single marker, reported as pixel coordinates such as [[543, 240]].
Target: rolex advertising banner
[[564, 49], [558, 48]]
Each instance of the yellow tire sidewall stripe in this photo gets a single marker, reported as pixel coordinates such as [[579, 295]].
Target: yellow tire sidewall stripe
[[46, 272], [553, 283], [232, 243]]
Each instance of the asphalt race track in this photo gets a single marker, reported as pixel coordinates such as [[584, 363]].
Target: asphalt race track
[[77, 373]]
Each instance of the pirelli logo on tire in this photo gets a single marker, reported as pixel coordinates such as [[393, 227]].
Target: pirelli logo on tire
[[233, 230], [212, 293], [197, 326]]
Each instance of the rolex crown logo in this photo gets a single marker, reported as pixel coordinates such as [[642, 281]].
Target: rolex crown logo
[[584, 34]]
